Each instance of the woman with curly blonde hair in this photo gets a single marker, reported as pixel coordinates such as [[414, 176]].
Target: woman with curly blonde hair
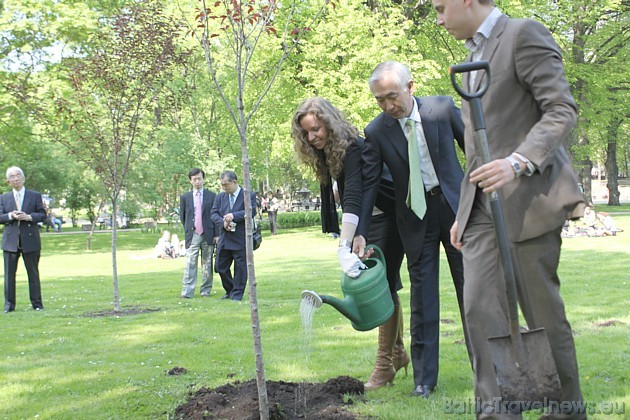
[[327, 143]]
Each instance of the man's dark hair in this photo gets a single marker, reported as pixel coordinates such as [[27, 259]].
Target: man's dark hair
[[230, 175], [195, 171]]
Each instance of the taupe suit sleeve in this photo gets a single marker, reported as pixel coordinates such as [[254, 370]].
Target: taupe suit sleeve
[[539, 67], [528, 109]]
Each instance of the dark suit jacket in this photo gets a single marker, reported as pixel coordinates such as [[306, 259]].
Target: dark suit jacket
[[532, 114], [385, 142], [221, 207], [28, 231], [187, 216]]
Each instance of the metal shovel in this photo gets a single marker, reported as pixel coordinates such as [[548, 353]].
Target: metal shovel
[[523, 362]]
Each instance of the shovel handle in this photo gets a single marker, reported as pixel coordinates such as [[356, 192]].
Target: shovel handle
[[466, 68], [483, 151], [474, 98]]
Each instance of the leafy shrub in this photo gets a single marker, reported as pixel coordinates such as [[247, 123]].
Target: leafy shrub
[[295, 219]]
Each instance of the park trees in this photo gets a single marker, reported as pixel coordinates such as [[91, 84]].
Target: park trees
[[101, 104], [30, 34], [114, 91], [598, 49], [40, 37]]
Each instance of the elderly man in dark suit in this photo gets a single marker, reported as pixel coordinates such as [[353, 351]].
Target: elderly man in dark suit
[[416, 138], [228, 211], [529, 112], [20, 211], [200, 234]]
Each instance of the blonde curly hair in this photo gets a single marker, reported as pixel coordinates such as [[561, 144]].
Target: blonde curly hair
[[341, 134]]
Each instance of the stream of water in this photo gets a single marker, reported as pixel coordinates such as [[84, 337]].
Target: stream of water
[[307, 311]]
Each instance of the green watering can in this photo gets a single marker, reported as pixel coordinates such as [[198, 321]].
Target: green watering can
[[368, 301]]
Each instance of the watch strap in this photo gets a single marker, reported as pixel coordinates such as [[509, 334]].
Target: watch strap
[[345, 242]]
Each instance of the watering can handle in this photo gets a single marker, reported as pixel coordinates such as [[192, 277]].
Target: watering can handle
[[379, 254]]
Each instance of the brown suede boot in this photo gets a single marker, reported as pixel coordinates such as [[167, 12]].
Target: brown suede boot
[[400, 358], [384, 372]]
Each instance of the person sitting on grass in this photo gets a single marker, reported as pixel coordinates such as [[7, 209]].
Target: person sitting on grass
[[164, 249], [179, 247], [606, 224], [590, 217]]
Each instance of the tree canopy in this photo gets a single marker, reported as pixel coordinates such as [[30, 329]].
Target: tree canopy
[[192, 126]]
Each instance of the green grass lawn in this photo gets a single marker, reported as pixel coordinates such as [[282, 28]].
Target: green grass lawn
[[64, 363], [623, 208]]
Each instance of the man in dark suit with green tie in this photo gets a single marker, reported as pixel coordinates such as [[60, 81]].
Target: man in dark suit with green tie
[[416, 138]]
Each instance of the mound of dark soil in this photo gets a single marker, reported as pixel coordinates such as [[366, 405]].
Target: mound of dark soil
[[287, 400]]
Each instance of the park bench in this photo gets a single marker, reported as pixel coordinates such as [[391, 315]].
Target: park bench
[[150, 226]]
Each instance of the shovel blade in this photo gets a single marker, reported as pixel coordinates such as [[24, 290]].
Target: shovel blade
[[525, 375]]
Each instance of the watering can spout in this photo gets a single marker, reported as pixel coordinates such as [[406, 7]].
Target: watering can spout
[[346, 307], [367, 300]]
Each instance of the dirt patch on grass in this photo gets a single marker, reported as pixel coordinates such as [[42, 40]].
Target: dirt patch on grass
[[608, 323], [287, 400], [132, 310], [176, 371]]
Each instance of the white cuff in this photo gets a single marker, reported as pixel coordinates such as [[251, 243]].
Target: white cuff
[[353, 219], [529, 166]]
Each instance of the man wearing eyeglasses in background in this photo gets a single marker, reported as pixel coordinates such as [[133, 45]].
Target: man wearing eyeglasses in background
[[20, 211]]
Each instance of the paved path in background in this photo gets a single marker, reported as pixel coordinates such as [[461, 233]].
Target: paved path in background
[[74, 232]]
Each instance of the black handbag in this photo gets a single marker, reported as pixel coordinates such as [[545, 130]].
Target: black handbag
[[257, 235]]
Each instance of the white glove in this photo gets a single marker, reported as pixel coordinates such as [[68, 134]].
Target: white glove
[[350, 262]]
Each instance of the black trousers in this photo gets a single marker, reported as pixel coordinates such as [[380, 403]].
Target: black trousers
[[234, 285], [384, 234], [424, 275], [31, 262]]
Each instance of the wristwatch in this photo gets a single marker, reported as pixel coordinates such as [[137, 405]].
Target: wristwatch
[[516, 166], [345, 242]]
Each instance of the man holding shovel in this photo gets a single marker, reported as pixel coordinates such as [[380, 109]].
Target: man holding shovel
[[529, 112]]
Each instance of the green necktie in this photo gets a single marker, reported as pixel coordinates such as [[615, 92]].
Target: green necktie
[[415, 196]]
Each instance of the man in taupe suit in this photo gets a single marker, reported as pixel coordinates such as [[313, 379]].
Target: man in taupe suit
[[529, 112]]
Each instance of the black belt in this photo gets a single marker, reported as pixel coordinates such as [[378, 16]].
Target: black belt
[[435, 191]]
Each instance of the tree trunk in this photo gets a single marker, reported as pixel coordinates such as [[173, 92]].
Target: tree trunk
[[263, 399], [88, 246], [612, 170], [114, 265], [577, 54], [584, 175]]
